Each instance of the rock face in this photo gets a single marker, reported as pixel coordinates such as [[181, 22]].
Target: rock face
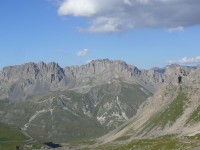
[[18, 82]]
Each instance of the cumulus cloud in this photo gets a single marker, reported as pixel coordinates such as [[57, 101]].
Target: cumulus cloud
[[186, 60], [77, 8], [119, 15], [82, 53], [176, 29]]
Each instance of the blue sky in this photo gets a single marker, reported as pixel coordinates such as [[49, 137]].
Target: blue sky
[[56, 30]]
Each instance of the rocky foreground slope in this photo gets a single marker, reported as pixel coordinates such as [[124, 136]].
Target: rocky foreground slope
[[170, 119]]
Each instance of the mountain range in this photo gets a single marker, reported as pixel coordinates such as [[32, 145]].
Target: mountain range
[[104, 98]]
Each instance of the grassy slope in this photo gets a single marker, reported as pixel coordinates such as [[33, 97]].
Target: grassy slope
[[130, 94], [194, 117], [74, 128], [66, 128], [62, 125], [168, 142], [169, 115], [10, 137]]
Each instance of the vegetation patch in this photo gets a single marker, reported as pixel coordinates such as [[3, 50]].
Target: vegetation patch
[[168, 142], [122, 138], [169, 115], [194, 117], [10, 137], [81, 143]]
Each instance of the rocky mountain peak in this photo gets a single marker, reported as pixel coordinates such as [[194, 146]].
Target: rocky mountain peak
[[39, 77], [52, 77], [42, 65], [53, 66], [13, 73]]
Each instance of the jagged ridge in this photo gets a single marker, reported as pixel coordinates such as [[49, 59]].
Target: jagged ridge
[[18, 82]]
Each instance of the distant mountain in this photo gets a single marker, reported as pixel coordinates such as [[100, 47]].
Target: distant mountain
[[18, 82]]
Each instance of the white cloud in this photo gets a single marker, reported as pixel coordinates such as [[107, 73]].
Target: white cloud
[[84, 8], [176, 29], [190, 60], [82, 53], [186, 60], [120, 15], [103, 25]]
